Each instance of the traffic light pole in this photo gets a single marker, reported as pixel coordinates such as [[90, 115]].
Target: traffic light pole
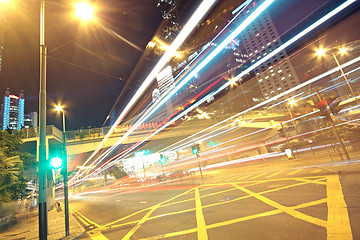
[[197, 156], [43, 223], [65, 175], [342, 145]]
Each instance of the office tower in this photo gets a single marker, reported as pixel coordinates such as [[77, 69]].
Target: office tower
[[260, 38], [12, 111]]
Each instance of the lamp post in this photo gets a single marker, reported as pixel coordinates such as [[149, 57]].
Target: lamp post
[[42, 130], [82, 10], [321, 52], [292, 102], [64, 172]]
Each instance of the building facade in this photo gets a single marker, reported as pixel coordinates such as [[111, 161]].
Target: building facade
[[277, 74], [12, 111]]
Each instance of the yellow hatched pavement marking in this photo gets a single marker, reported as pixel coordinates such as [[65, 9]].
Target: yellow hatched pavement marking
[[285, 209], [200, 220], [338, 226], [97, 235], [147, 215], [145, 209], [272, 175], [259, 175], [316, 171], [295, 172], [93, 234], [85, 220], [236, 220]]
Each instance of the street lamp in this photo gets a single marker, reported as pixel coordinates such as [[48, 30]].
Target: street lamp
[[43, 223], [59, 109], [84, 11], [291, 103], [322, 52]]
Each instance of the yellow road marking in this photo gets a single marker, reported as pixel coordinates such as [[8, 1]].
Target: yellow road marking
[[236, 220], [285, 209], [296, 171], [97, 235], [147, 215], [264, 214], [244, 176], [85, 218], [316, 171], [320, 181], [200, 220], [338, 226], [272, 175], [110, 225], [148, 208], [257, 176], [140, 223]]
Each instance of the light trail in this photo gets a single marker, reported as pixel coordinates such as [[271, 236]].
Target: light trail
[[288, 43], [282, 47], [163, 61], [197, 16]]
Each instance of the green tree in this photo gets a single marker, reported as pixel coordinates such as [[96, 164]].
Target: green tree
[[13, 165]]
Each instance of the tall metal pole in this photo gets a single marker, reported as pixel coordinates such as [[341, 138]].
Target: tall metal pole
[[65, 175], [292, 118], [345, 77], [342, 145], [42, 129]]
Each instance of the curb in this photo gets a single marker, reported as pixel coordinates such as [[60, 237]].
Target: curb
[[79, 225]]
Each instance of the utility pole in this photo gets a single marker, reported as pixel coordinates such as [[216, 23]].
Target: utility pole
[[43, 223], [342, 145], [65, 176]]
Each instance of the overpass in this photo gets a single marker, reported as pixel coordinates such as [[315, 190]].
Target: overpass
[[83, 142]]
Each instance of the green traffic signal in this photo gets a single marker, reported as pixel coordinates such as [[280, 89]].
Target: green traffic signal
[[195, 148], [56, 163], [162, 159]]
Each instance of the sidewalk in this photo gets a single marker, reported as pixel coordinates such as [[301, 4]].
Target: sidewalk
[[28, 228]]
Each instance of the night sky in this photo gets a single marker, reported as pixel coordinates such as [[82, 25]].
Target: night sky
[[86, 65]]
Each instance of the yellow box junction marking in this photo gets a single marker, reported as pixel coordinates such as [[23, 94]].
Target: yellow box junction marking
[[285, 209], [272, 175], [295, 172], [200, 220], [338, 226]]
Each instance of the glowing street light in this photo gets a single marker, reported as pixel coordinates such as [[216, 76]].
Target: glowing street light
[[343, 50], [321, 52], [84, 11], [292, 102]]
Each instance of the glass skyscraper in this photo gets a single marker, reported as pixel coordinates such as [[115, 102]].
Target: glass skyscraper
[[12, 111]]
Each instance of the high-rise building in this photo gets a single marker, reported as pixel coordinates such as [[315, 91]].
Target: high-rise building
[[260, 38], [31, 120], [12, 111]]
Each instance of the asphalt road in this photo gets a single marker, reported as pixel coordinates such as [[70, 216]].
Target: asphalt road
[[279, 200]]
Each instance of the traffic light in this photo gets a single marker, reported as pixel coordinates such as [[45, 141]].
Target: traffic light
[[195, 148], [332, 103], [162, 159], [56, 163]]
